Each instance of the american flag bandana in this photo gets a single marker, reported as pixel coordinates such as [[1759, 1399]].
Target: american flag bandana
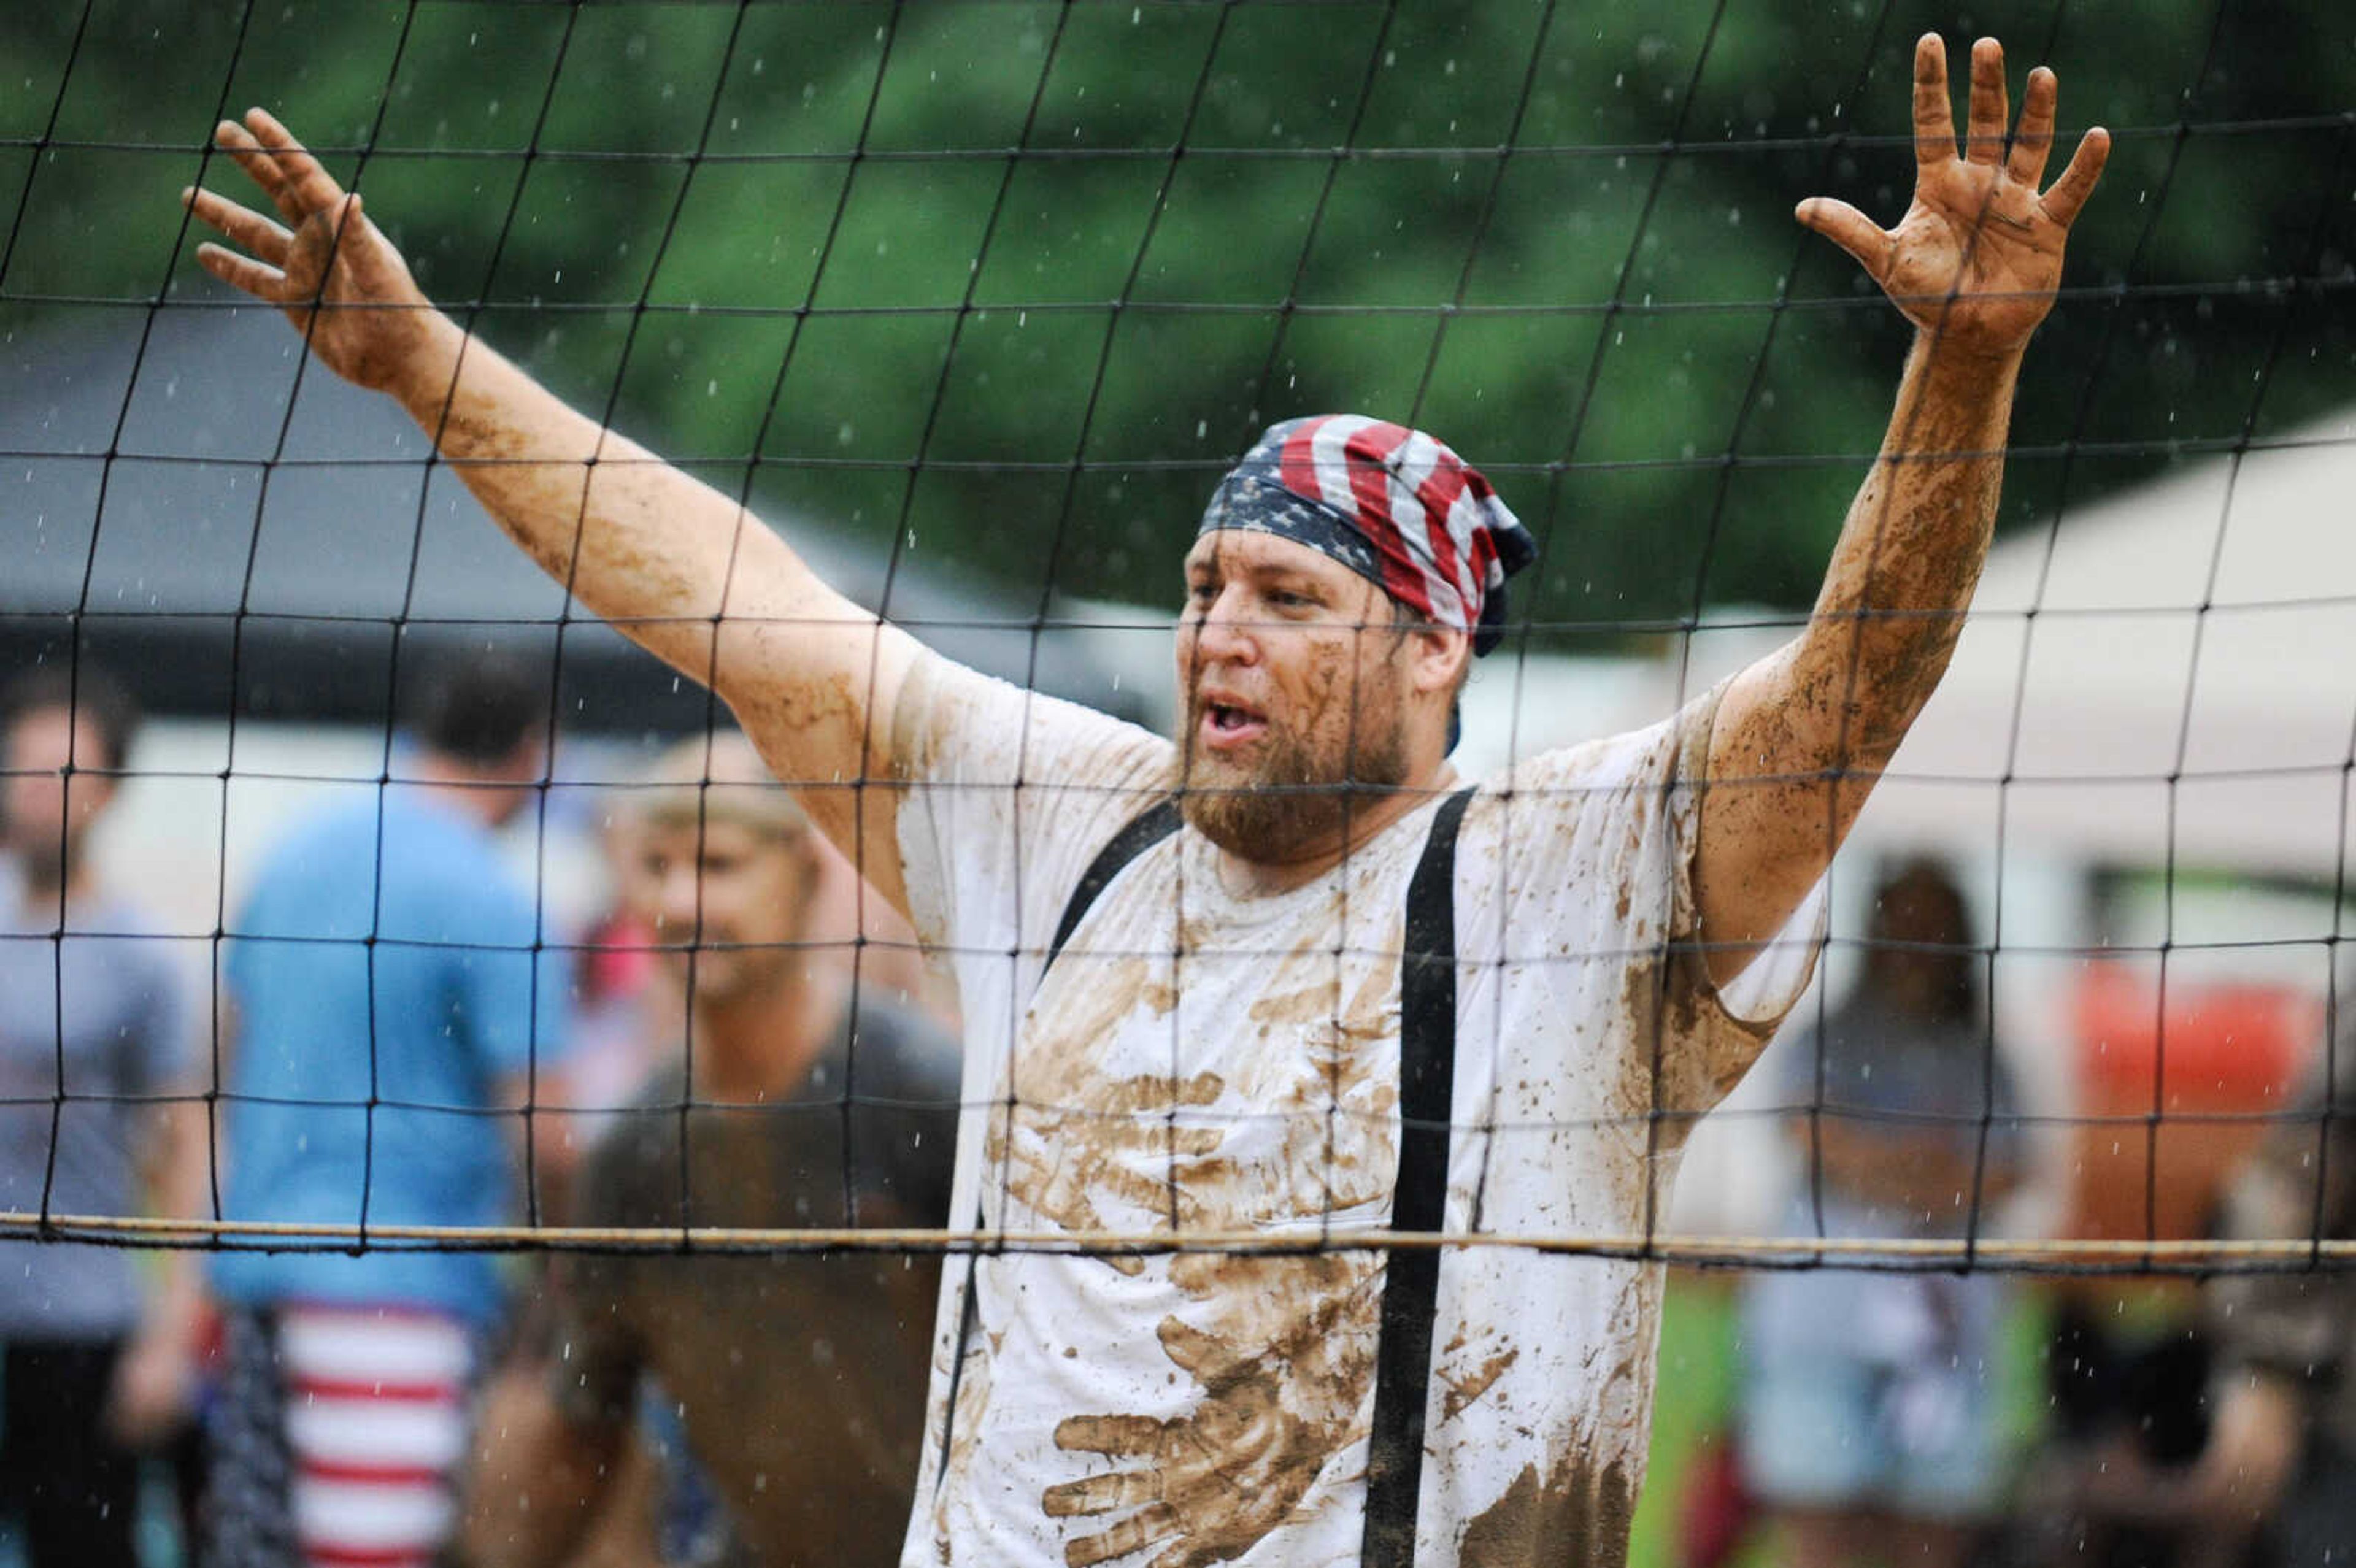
[[1391, 504]]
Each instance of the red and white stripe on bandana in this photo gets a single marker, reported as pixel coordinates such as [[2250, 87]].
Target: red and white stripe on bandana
[[1421, 522]]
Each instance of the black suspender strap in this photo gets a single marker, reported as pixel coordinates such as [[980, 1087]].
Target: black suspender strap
[[1411, 1279], [1143, 832], [1427, 1084], [1150, 828]]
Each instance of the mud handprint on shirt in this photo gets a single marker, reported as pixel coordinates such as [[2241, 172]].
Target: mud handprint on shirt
[[1280, 1349], [1066, 1162], [1285, 1379]]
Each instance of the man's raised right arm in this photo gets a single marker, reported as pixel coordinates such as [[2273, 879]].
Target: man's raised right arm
[[677, 567]]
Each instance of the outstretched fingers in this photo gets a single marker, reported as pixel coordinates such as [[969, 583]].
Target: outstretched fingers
[[1934, 117], [1990, 110], [2032, 140], [241, 226], [298, 184], [1852, 230], [260, 167], [263, 283], [2077, 182]]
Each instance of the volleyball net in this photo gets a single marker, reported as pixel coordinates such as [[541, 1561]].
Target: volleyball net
[[976, 300]]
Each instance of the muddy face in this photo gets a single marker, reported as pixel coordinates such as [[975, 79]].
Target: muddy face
[[1296, 695]]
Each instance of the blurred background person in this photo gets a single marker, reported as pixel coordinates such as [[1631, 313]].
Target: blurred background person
[[789, 1098], [2271, 1482], [870, 944], [97, 1036], [389, 1009], [1868, 1427], [627, 1004], [621, 993]]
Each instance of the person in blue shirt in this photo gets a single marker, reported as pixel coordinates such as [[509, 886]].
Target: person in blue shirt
[[395, 1014]]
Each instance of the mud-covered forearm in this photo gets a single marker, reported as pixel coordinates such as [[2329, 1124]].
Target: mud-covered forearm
[[1910, 552], [1803, 734], [683, 570], [656, 551], [1975, 263]]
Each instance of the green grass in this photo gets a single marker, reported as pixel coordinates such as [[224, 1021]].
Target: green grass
[[1701, 1353]]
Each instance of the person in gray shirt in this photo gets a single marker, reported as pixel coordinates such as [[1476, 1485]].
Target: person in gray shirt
[[798, 1101], [96, 1038]]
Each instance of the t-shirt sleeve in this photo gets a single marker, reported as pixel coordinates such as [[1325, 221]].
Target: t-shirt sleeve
[[1010, 794], [1596, 900], [1755, 1002]]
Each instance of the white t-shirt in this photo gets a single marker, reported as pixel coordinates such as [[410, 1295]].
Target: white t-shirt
[[1200, 1062]]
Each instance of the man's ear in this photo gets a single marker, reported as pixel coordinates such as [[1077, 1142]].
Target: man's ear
[[1439, 656]]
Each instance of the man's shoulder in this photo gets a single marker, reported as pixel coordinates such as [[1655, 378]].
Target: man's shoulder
[[635, 1140], [349, 818], [954, 721], [327, 854], [1653, 752], [901, 1054]]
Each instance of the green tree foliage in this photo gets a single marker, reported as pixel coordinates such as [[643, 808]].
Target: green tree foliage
[[1009, 282]]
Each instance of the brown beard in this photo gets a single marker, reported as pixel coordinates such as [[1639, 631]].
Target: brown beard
[[1293, 798]]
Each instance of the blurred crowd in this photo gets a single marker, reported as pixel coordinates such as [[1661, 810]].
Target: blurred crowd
[[1893, 1412], [393, 1031]]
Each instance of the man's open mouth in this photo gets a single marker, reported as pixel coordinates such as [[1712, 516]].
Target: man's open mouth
[[1225, 724]]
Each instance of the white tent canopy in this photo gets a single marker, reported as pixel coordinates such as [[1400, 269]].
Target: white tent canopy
[[2166, 678]]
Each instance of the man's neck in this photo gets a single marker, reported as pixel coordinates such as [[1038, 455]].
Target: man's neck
[[762, 1047], [463, 792]]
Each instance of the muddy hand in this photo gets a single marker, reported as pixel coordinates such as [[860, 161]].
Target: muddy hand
[[1977, 255], [1064, 1162], [321, 260], [1205, 1487]]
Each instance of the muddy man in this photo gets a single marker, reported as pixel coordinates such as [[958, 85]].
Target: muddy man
[[1310, 998]]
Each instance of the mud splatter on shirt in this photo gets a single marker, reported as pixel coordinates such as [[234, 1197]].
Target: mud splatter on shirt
[[1200, 1062]]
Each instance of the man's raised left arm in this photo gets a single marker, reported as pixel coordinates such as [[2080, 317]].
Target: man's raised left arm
[[1802, 735]]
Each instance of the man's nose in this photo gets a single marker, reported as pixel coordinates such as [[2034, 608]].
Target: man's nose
[[1225, 632], [677, 901]]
